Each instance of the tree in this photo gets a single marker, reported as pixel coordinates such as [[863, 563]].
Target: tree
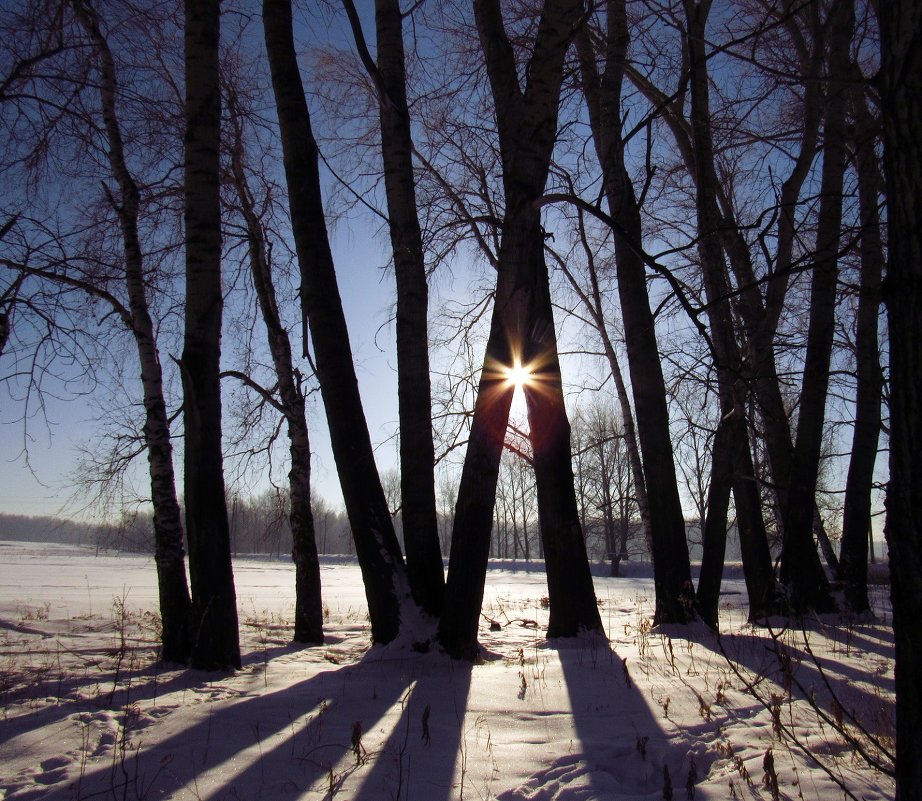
[[856, 523], [732, 459], [215, 635], [168, 532], [801, 570], [291, 398], [675, 602], [521, 334], [901, 104], [89, 120], [417, 452], [383, 569]]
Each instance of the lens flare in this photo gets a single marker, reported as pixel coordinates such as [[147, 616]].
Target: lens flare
[[519, 375]]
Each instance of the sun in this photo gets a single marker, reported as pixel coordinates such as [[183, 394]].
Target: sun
[[519, 375]]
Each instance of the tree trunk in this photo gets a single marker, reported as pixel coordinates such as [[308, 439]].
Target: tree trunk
[[714, 537], [215, 636], [801, 571], [417, 452], [675, 600], [308, 600], [901, 94], [760, 317], [169, 553], [380, 559], [853, 565], [522, 329], [573, 606], [728, 360]]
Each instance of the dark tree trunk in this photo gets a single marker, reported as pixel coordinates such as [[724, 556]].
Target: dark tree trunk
[[714, 537], [729, 363], [901, 85], [380, 559], [308, 600], [801, 571], [417, 452], [521, 329], [853, 565], [4, 330], [573, 606], [169, 553], [215, 638], [675, 600], [760, 317]]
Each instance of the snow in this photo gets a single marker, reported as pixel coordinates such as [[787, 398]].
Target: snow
[[87, 712]]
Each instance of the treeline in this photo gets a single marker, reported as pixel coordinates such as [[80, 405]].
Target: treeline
[[25, 528]]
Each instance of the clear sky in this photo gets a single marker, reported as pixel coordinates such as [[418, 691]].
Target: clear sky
[[53, 447]]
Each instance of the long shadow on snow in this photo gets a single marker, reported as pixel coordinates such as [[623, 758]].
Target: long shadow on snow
[[114, 692], [605, 703], [265, 745], [418, 759]]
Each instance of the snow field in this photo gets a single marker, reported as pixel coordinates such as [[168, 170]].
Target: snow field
[[85, 711]]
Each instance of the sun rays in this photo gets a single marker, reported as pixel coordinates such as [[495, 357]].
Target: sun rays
[[519, 375]]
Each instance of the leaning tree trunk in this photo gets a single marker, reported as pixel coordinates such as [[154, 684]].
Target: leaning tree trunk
[[169, 553], [308, 600], [801, 571], [380, 559], [521, 329], [675, 599], [215, 637], [417, 452], [853, 564], [901, 95]]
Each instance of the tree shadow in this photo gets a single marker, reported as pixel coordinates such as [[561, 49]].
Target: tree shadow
[[269, 745], [418, 759], [605, 705]]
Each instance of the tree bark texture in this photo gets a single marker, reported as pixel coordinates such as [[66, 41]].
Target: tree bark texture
[[215, 638], [522, 328], [169, 553], [675, 599], [308, 600], [380, 559], [901, 90], [801, 571]]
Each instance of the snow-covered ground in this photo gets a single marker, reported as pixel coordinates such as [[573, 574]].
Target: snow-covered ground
[[85, 711]]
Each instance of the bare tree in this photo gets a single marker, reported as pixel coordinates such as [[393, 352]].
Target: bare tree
[[215, 635], [291, 395], [675, 601], [168, 532], [417, 452], [383, 568], [521, 332], [856, 524], [800, 566]]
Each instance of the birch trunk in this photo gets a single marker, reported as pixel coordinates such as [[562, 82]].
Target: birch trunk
[[169, 553], [308, 600]]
